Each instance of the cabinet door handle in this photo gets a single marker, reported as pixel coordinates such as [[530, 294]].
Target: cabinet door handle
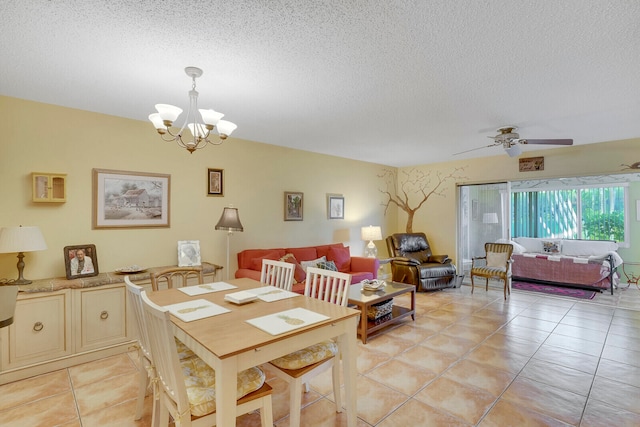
[[38, 326], [104, 315]]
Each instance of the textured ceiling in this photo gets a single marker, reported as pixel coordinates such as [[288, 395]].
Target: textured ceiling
[[392, 82]]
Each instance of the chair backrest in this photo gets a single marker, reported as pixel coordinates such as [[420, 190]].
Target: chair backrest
[[277, 273], [498, 254], [8, 296], [135, 302], [165, 354], [175, 277], [327, 285], [408, 245]]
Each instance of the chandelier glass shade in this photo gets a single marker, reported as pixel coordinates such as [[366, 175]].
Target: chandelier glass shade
[[197, 130]]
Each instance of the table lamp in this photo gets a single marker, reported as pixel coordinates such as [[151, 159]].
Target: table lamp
[[21, 239], [230, 221], [371, 233]]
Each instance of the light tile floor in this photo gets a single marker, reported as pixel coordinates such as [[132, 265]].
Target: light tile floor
[[467, 360]]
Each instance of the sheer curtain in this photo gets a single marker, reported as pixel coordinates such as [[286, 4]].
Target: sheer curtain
[[483, 216]]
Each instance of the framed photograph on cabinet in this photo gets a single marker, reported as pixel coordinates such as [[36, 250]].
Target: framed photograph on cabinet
[[189, 253], [80, 261], [130, 199], [215, 181], [293, 204], [335, 207]]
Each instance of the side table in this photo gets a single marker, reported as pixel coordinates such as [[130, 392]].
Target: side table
[[631, 277], [363, 299]]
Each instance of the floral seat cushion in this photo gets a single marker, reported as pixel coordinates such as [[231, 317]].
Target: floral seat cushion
[[307, 356], [184, 352], [200, 381]]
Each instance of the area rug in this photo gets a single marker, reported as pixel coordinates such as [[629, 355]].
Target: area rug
[[554, 290]]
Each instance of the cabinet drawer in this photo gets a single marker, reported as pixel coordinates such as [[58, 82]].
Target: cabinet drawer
[[41, 330], [101, 318]]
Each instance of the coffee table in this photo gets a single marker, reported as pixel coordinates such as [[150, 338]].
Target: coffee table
[[364, 299]]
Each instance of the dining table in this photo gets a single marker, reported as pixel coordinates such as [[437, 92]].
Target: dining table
[[235, 340]]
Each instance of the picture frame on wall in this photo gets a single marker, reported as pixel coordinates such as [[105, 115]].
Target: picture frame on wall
[[293, 205], [80, 261], [215, 182], [189, 253], [335, 207], [123, 199]]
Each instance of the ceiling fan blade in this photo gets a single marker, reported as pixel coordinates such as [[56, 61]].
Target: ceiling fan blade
[[474, 149], [547, 141]]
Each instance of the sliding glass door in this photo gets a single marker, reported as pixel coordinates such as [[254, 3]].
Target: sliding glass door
[[483, 216]]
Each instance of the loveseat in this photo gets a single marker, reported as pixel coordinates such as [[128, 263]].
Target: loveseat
[[360, 268], [589, 264]]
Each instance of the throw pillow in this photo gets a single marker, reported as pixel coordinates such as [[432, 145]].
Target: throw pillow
[[550, 247], [342, 258], [327, 265], [312, 263], [256, 263], [298, 273], [496, 259]]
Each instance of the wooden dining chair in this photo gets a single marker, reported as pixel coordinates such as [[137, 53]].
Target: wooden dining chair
[[186, 388], [301, 366], [175, 277], [147, 370], [496, 265], [277, 273]]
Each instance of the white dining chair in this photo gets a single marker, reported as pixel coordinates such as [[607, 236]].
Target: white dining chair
[[147, 370], [8, 297], [186, 388], [299, 367], [277, 273]]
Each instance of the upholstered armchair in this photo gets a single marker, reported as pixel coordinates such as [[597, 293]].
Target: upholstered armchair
[[413, 262]]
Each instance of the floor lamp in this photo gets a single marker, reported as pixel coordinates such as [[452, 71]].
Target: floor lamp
[[230, 221]]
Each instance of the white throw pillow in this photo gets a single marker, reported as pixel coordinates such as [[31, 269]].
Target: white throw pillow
[[313, 263], [496, 259]]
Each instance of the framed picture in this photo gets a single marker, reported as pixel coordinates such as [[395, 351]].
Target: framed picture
[[189, 253], [336, 207], [215, 181], [80, 261], [530, 164], [293, 203], [130, 199]]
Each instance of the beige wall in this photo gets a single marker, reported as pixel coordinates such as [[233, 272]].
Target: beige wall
[[45, 138]]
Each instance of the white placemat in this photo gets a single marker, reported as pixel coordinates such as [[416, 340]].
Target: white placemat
[[287, 320], [194, 310], [206, 288], [272, 293]]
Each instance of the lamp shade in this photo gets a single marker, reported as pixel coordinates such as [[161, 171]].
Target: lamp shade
[[490, 218], [21, 239], [371, 233], [229, 220]]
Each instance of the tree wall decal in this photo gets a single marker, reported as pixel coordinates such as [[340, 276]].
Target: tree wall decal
[[414, 181]]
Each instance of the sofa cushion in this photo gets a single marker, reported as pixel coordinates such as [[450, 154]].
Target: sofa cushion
[[531, 244], [304, 254], [323, 250], [517, 247], [588, 247], [256, 263], [413, 244], [298, 273], [341, 257]]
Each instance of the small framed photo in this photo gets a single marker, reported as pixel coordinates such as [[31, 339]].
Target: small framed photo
[[530, 164], [80, 261], [293, 204], [215, 182], [336, 207], [189, 253]]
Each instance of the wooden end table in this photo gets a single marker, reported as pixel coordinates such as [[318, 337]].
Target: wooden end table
[[364, 299]]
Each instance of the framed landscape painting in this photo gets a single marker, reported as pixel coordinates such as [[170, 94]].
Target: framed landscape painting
[[124, 199], [293, 206]]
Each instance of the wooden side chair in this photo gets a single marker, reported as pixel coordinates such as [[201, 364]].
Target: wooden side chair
[[497, 265], [147, 370], [175, 277], [277, 273], [186, 388], [301, 366]]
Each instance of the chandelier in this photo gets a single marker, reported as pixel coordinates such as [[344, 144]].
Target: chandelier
[[200, 125]]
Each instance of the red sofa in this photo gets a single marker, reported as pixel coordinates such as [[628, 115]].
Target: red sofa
[[360, 268]]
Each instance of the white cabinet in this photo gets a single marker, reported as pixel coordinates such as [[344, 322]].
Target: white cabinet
[[100, 317], [41, 329]]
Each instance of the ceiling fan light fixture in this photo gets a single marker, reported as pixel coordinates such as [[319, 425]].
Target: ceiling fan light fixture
[[514, 150]]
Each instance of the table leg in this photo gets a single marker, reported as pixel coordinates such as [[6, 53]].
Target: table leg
[[226, 385], [349, 353], [363, 323]]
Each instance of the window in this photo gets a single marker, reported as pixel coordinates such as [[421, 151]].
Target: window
[[588, 212]]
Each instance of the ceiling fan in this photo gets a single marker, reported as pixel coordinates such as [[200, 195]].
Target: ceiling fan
[[510, 140]]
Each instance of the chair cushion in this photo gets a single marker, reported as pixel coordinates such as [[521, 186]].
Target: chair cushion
[[184, 352], [307, 356], [298, 273], [200, 381], [413, 244], [342, 258], [496, 259]]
